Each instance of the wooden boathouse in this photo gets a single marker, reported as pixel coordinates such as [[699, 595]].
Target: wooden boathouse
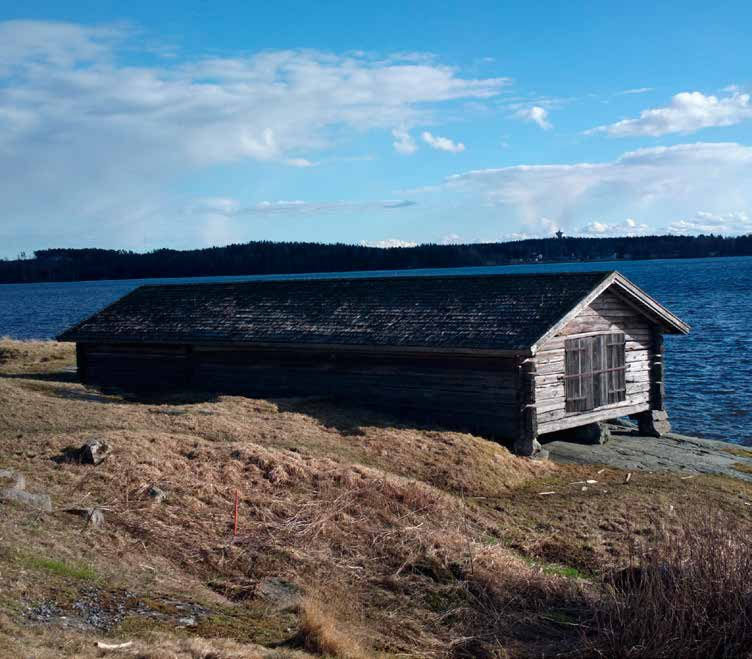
[[509, 356]]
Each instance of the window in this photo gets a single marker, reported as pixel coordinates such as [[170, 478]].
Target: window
[[594, 371]]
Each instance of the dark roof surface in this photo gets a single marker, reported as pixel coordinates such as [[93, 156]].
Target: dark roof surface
[[489, 312]]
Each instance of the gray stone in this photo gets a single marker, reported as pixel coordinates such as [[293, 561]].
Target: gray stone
[[542, 454], [281, 593], [156, 493], [690, 456], [92, 516], [94, 452], [527, 448], [38, 501], [12, 479], [592, 433], [653, 423], [624, 423]]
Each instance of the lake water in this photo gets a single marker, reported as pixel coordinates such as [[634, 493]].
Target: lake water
[[709, 372]]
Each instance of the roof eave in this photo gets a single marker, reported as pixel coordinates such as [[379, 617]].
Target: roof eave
[[671, 323], [334, 347]]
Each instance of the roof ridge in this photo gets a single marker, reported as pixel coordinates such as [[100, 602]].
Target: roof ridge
[[307, 277]]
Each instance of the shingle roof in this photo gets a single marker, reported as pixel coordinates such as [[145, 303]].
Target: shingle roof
[[489, 312]]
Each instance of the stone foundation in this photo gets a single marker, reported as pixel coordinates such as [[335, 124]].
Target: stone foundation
[[653, 423], [592, 433], [528, 448]]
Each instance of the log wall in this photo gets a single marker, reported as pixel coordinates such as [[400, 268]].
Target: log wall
[[472, 393], [607, 313]]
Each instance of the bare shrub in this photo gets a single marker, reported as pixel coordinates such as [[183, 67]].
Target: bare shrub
[[689, 595]]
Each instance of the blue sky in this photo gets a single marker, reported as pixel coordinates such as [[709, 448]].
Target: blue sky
[[189, 124]]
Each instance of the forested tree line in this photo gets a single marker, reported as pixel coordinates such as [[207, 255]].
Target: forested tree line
[[295, 257]]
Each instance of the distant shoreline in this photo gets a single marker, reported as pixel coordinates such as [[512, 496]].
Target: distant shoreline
[[268, 258]]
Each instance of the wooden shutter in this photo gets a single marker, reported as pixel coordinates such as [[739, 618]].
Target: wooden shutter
[[600, 390], [594, 371], [617, 367], [577, 362]]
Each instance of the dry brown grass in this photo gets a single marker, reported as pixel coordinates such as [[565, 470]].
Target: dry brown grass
[[434, 543], [321, 633], [326, 496]]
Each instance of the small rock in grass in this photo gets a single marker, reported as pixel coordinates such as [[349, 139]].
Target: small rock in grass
[[94, 452], [156, 493], [92, 516], [39, 501], [12, 479]]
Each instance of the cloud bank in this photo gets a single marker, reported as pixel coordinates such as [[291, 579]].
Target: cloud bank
[[654, 184], [98, 139], [688, 112]]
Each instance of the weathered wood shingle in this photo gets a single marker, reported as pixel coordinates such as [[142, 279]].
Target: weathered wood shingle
[[490, 312]]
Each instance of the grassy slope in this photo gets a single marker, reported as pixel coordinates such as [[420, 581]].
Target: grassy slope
[[405, 540]]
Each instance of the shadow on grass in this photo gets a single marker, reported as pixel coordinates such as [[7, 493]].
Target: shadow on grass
[[56, 376], [349, 417]]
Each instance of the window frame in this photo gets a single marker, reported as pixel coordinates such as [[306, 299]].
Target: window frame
[[594, 371]]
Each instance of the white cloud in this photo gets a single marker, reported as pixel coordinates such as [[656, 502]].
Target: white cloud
[[89, 144], [451, 239], [537, 115], [688, 112], [387, 244], [541, 227], [442, 143], [637, 90], [300, 162], [653, 184], [547, 228], [403, 143], [603, 229], [735, 223]]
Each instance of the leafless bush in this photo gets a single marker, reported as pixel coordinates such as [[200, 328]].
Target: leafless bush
[[689, 595]]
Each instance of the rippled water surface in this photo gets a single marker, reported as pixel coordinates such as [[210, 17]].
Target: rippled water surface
[[709, 372]]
